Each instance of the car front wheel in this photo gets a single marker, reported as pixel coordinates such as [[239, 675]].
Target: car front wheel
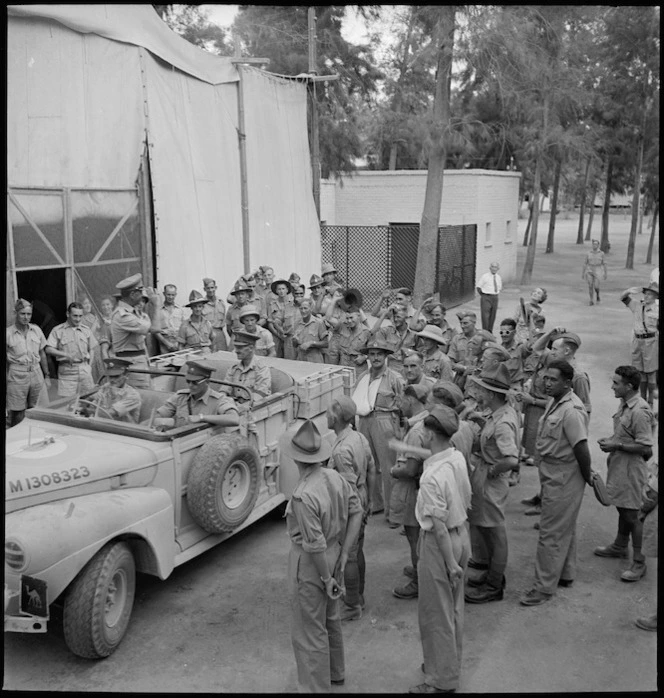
[[99, 602]]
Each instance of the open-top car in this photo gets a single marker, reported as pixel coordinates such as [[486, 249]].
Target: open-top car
[[90, 500]]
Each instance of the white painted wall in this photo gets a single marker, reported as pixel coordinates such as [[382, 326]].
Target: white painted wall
[[477, 197]]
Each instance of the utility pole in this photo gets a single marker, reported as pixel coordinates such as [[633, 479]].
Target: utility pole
[[242, 137], [315, 146], [312, 78]]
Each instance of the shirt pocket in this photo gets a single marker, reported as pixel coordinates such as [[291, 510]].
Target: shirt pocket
[[550, 426]]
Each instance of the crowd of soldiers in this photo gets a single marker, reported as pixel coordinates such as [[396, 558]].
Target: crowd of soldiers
[[438, 426]]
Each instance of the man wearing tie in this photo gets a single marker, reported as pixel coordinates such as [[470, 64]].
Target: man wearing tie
[[489, 286]]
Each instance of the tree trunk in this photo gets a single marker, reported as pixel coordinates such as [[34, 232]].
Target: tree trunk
[[642, 215], [629, 264], [554, 206], [395, 107], [582, 208], [591, 215], [425, 272], [537, 186], [652, 233], [604, 244], [530, 221]]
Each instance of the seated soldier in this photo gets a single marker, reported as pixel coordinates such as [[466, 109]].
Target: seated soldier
[[198, 402], [115, 399], [248, 370]]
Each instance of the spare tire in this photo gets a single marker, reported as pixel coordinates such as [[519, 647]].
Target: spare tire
[[222, 485]]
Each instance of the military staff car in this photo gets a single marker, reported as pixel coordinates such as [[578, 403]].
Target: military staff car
[[91, 501]]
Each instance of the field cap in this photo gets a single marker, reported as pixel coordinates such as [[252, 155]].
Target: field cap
[[419, 391], [377, 344], [452, 390], [446, 417]]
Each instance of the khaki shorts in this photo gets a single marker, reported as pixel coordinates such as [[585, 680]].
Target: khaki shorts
[[645, 354], [73, 380], [24, 388]]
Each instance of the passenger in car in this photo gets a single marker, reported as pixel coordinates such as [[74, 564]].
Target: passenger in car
[[115, 399], [248, 370], [198, 402]]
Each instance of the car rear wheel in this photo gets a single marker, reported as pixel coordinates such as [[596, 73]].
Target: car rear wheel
[[222, 486], [99, 602]]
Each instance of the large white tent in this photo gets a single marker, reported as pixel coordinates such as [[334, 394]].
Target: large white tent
[[123, 155]]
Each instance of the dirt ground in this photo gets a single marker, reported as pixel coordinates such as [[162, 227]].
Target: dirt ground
[[221, 622]]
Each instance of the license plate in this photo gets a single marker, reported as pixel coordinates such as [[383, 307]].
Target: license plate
[[33, 599]]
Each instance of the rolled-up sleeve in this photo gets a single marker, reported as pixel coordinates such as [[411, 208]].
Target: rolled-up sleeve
[[574, 427], [506, 441], [642, 426], [433, 501], [309, 524]]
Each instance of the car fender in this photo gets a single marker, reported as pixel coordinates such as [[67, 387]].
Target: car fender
[[60, 538]]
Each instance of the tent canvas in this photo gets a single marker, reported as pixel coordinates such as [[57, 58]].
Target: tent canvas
[[97, 94]]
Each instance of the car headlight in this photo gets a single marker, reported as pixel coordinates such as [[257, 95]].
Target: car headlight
[[15, 556]]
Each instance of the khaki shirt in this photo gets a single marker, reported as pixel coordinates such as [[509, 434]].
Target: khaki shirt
[[594, 260], [353, 460], [128, 328], [645, 317], [563, 425], [397, 342], [499, 436], [518, 352], [23, 349], [182, 405], [312, 331], [282, 316], [346, 346], [125, 401], [318, 511], [77, 342], [438, 366], [444, 492], [215, 312], [458, 348], [196, 335], [632, 424], [171, 318], [389, 393], [256, 377]]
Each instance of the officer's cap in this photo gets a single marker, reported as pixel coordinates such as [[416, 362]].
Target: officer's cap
[[114, 366], [243, 339], [131, 283], [198, 369]]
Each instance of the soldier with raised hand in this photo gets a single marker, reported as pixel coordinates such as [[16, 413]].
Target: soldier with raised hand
[[129, 328]]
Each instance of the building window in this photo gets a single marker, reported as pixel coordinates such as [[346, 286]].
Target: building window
[[487, 235], [509, 231]]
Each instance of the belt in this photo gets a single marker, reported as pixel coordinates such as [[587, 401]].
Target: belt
[[138, 352], [74, 363], [24, 367], [456, 529], [647, 335]]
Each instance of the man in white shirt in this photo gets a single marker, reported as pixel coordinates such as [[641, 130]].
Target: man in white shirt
[[489, 286]]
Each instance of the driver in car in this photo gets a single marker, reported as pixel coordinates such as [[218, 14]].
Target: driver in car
[[198, 402], [115, 399]]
